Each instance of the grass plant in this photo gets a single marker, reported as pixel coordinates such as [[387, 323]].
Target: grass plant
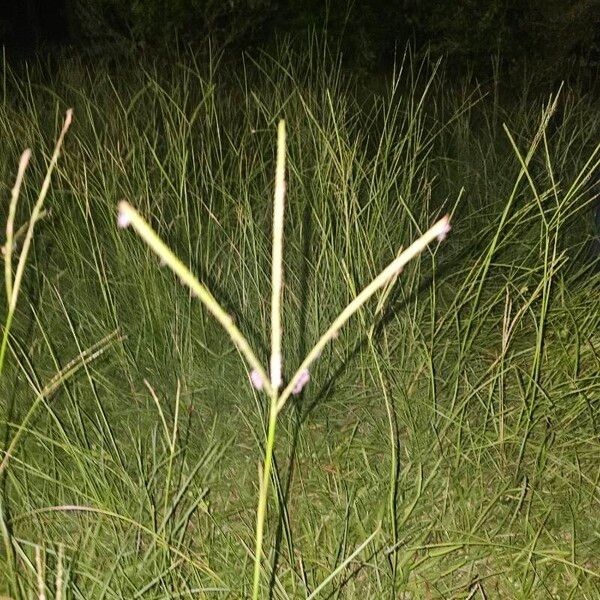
[[271, 384], [446, 443]]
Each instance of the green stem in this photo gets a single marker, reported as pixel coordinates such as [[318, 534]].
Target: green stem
[[9, 551], [5, 335], [263, 494]]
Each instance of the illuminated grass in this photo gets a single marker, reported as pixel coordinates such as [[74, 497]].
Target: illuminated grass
[[446, 441]]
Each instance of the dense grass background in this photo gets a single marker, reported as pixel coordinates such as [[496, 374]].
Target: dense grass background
[[457, 420]]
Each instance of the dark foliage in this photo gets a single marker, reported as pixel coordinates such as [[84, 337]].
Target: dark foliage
[[552, 36]]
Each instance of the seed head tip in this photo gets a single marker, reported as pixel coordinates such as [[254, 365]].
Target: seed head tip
[[123, 220], [445, 228]]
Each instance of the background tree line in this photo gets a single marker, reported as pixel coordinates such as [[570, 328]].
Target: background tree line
[[551, 35]]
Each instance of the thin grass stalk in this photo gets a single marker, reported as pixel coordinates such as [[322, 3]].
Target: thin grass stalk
[[9, 551], [263, 495], [35, 213], [13, 285], [39, 570], [315, 593], [393, 432], [277, 261], [8, 249], [60, 576], [275, 372], [10, 222], [394, 466]]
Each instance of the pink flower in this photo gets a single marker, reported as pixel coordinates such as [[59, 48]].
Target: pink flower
[[256, 379], [303, 379]]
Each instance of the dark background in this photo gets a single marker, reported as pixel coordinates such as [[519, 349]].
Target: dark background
[[554, 39]]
